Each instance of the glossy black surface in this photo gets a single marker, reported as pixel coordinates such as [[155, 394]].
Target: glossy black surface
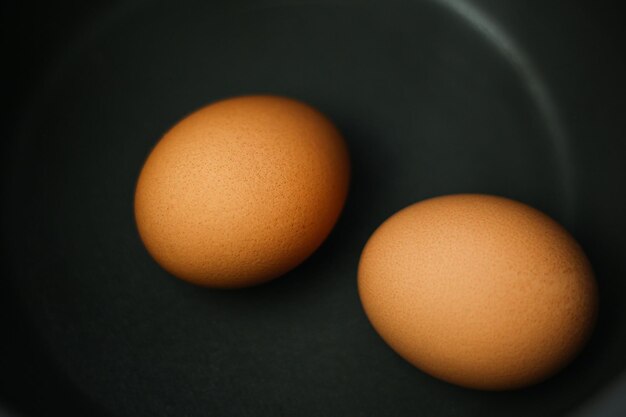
[[433, 97]]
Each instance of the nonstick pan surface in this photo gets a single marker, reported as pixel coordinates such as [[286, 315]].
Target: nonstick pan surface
[[520, 99]]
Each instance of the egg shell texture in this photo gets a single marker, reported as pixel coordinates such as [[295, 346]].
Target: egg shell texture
[[242, 191]]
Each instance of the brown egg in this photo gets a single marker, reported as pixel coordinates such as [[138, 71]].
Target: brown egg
[[478, 290], [242, 191]]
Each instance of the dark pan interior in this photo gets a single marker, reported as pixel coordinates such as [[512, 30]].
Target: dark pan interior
[[515, 98]]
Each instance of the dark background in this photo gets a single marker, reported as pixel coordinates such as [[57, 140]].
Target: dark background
[[521, 99]]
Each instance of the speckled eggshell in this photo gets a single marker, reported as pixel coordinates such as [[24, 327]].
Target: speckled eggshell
[[478, 290], [242, 191]]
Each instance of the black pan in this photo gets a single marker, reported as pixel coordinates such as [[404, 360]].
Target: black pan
[[515, 98]]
